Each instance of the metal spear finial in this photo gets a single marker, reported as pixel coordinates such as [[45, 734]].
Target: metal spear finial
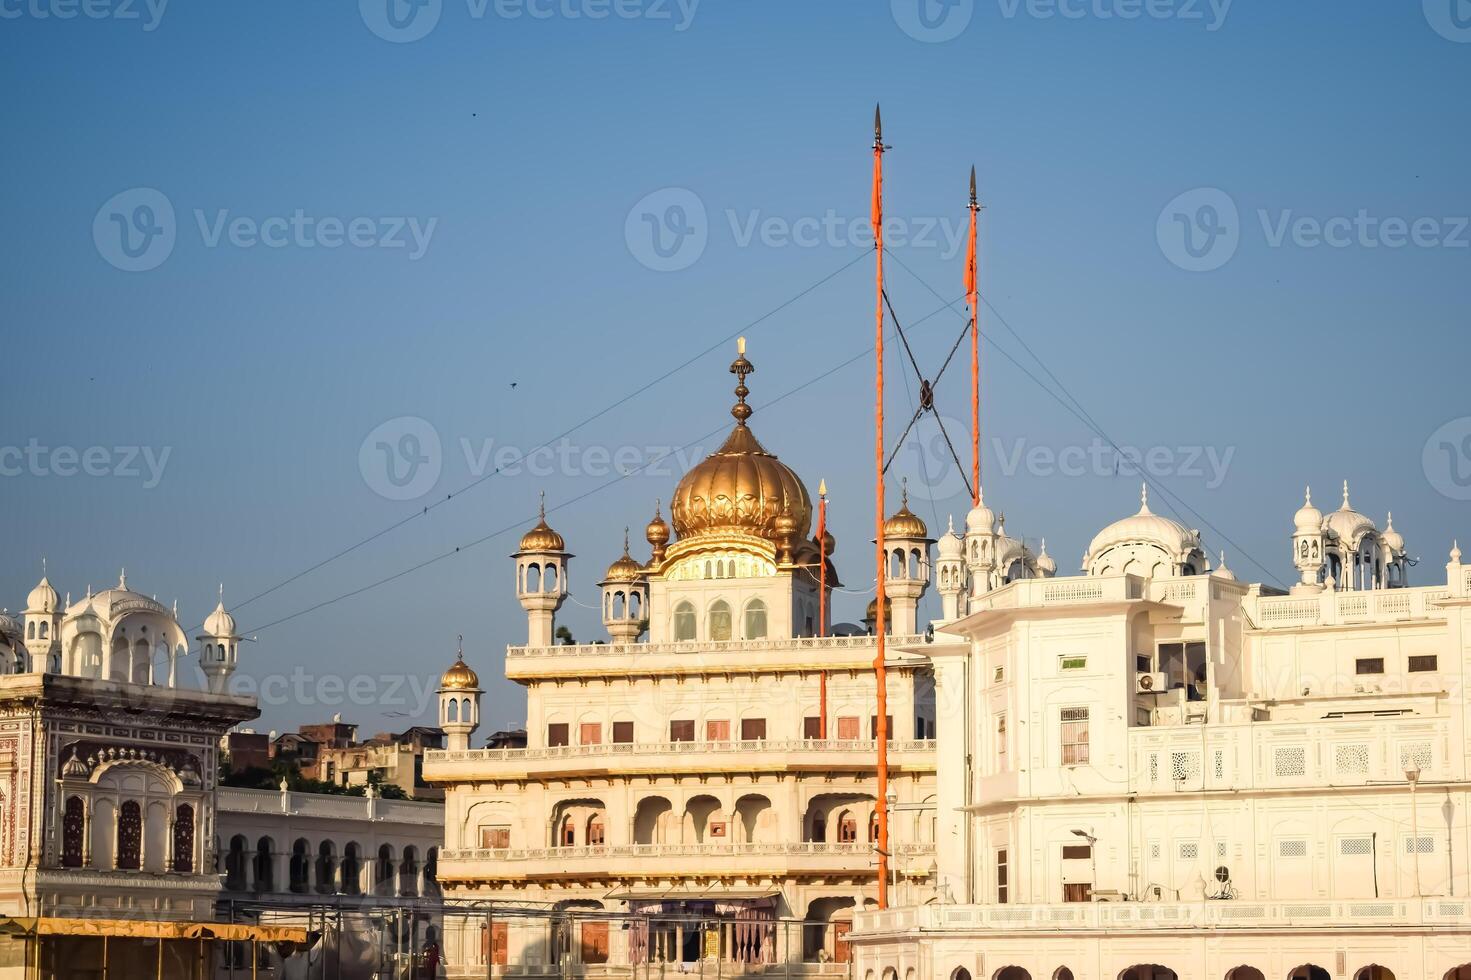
[[973, 203]]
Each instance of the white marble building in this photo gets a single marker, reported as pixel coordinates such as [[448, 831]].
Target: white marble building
[[712, 761], [1154, 770]]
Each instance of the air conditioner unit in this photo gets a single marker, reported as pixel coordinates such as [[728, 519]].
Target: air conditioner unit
[[1151, 682]]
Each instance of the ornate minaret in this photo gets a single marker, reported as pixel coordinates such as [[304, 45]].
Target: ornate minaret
[[950, 573], [625, 597], [459, 702], [1307, 545], [980, 545], [218, 647], [541, 579], [907, 566], [43, 627]]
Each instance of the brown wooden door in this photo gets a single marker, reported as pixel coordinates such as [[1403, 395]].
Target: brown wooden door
[[595, 942], [840, 941], [496, 938]]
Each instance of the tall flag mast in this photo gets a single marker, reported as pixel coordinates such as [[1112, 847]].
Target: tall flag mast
[[881, 726], [972, 297], [822, 602]]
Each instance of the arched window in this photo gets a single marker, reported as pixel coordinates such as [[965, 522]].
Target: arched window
[[326, 868], [73, 830], [300, 866], [45, 629], [873, 826], [265, 873], [129, 836], [755, 625], [408, 873], [383, 874], [184, 839], [720, 620], [684, 621], [352, 870], [431, 872], [847, 828], [235, 864], [31, 630]]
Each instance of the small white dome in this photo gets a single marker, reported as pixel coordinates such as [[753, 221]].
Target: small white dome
[[219, 623], [1221, 571], [981, 519], [1046, 565], [1308, 519], [1348, 523], [1146, 527], [951, 545], [43, 598], [1392, 538]]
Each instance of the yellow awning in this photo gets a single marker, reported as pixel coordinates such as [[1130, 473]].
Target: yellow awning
[[151, 929]]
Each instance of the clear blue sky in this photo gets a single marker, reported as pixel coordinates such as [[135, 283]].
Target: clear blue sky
[[528, 141]]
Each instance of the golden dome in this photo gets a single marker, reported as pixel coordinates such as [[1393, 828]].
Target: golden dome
[[657, 532], [625, 569], [871, 613], [542, 537], [460, 677], [741, 487], [905, 523]]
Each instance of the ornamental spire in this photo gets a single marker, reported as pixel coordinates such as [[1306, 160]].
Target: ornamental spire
[[741, 368]]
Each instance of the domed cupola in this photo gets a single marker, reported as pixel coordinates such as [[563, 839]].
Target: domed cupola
[[1347, 524], [981, 519], [1145, 544], [1393, 540], [1221, 571], [1046, 564], [1308, 518], [740, 491], [43, 598]]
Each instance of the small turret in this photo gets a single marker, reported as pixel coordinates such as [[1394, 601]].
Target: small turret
[[906, 566], [1307, 545], [219, 647], [459, 702], [541, 579], [43, 626], [625, 597], [950, 573]]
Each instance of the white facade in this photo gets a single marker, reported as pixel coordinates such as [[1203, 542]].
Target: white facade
[[720, 769], [1154, 771]]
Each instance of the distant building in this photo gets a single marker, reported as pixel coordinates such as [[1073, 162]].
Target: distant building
[[386, 759], [247, 750]]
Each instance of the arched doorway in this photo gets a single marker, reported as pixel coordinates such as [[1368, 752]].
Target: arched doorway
[[1148, 971], [1245, 973], [1012, 973], [1462, 972], [1062, 973], [1375, 972], [1309, 971]]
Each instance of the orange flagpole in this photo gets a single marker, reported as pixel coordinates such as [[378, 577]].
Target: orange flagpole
[[822, 602], [881, 727], [972, 297]]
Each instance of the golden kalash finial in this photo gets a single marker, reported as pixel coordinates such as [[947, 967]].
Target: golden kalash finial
[[741, 368]]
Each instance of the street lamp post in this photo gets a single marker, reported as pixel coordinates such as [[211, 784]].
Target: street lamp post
[[1092, 861]]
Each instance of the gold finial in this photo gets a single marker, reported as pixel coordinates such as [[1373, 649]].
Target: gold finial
[[904, 493], [741, 368], [460, 648], [822, 488], [625, 541], [542, 508]]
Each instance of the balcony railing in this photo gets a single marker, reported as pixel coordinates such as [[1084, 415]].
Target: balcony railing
[[719, 749], [1338, 608], [1235, 914], [778, 645], [603, 851]]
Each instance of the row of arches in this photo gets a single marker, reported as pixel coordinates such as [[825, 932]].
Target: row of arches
[[320, 870], [719, 625], [127, 836], [1154, 971]]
